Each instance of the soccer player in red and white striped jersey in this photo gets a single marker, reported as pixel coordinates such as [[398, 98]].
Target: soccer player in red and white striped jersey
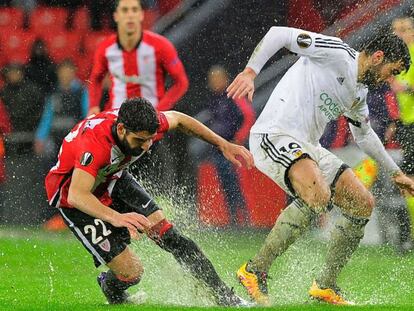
[[137, 62], [103, 204]]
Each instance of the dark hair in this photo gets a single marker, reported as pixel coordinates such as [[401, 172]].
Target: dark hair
[[116, 3], [393, 47], [138, 114]]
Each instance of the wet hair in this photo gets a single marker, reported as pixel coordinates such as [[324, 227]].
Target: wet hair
[[393, 47], [138, 114]]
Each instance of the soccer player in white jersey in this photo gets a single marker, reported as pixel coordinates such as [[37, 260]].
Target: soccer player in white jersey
[[328, 80]]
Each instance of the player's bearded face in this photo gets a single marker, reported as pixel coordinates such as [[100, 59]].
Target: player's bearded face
[[128, 149], [371, 77]]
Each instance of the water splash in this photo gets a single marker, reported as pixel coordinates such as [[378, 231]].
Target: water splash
[[52, 289]]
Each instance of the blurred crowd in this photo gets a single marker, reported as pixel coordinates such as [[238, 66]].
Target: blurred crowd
[[99, 10], [43, 97]]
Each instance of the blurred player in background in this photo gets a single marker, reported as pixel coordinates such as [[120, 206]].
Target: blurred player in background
[[403, 86], [103, 204], [232, 120], [137, 62], [329, 79]]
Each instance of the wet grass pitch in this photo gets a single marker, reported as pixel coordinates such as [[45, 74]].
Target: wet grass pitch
[[49, 271]]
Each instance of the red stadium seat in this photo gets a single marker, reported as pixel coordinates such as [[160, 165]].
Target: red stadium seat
[[91, 41], [45, 20], [150, 17], [166, 6], [211, 204], [11, 18], [264, 199], [63, 45], [16, 46], [81, 21], [84, 66]]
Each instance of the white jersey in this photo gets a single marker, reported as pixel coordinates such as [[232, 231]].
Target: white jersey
[[320, 87]]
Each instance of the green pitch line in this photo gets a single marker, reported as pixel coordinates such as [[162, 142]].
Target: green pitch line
[[46, 271]]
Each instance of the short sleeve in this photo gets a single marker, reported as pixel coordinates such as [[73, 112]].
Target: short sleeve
[[91, 155], [163, 127]]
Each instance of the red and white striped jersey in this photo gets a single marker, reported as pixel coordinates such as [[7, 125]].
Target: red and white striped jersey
[[91, 146], [139, 72]]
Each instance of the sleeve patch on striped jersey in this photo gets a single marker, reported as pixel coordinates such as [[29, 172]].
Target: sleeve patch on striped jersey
[[87, 158]]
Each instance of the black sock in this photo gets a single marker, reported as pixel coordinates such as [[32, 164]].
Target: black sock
[[403, 219], [190, 256]]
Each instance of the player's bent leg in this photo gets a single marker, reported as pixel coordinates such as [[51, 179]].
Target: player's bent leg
[[305, 179], [308, 183], [111, 250], [191, 258], [127, 265], [291, 223], [125, 270], [356, 204], [352, 197]]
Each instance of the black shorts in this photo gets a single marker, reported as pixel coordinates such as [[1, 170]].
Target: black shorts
[[102, 240]]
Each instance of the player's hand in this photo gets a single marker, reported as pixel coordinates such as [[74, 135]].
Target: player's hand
[[132, 221], [135, 235], [405, 184], [233, 153], [93, 110], [243, 85]]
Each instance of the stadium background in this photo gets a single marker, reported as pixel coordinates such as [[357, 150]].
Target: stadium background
[[205, 32]]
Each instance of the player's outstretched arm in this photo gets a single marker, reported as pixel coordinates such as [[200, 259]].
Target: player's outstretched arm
[[369, 142], [274, 40], [81, 197], [191, 126]]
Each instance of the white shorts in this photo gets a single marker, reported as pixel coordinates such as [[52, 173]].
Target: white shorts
[[275, 153]]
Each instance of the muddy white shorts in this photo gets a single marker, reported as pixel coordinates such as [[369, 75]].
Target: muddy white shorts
[[275, 153]]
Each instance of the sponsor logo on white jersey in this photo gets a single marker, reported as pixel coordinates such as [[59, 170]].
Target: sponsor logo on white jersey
[[329, 107]]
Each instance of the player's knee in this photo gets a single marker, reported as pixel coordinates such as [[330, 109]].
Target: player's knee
[[362, 205], [136, 272], [318, 200], [367, 205]]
